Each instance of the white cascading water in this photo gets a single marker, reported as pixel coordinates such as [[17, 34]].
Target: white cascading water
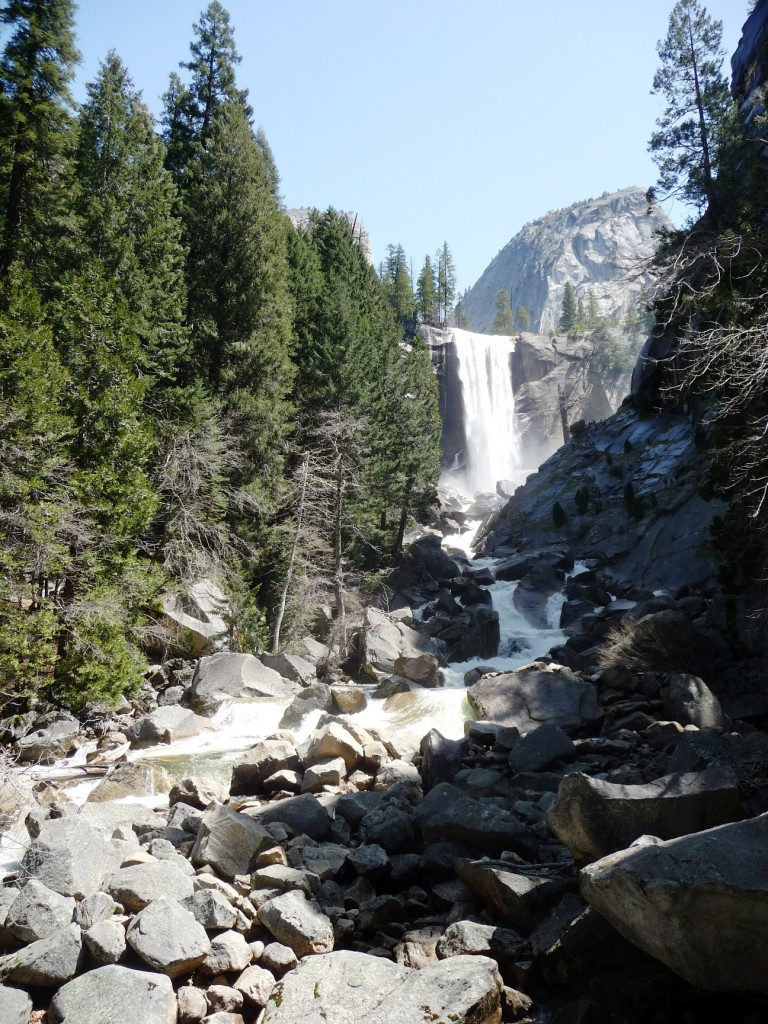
[[493, 449]]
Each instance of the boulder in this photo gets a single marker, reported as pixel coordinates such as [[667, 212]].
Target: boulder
[[132, 779], [54, 737], [198, 792], [259, 762], [105, 942], [429, 556], [211, 909], [168, 938], [315, 697], [384, 640], [222, 677], [165, 725], [347, 987], [298, 923], [17, 795], [198, 617], [15, 1005], [535, 695], [115, 995], [440, 758], [71, 857], [304, 814], [532, 594], [691, 702], [229, 952], [292, 666], [478, 635], [332, 740], [520, 899], [49, 962], [229, 841], [329, 772], [539, 749], [256, 984], [389, 827], [38, 911], [422, 669], [698, 903], [469, 938], [348, 700], [192, 1004], [481, 825], [140, 884], [594, 817], [99, 906]]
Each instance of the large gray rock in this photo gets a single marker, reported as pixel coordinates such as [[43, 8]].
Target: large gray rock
[[422, 669], [115, 995], [49, 962], [698, 903], [469, 938], [166, 725], [540, 748], [222, 677], [198, 791], [522, 900], [141, 884], [352, 988], [229, 841], [535, 695], [168, 938], [229, 952], [38, 911], [332, 740], [384, 640], [304, 814], [71, 857], [298, 923], [532, 593], [292, 666], [15, 1005], [481, 825], [691, 702], [106, 942], [259, 762], [54, 738], [594, 817], [133, 779], [211, 909], [316, 696]]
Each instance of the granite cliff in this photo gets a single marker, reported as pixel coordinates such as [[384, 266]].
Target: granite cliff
[[598, 245]]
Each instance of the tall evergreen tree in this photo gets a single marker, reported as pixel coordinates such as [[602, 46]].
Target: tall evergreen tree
[[446, 282], [503, 320], [569, 309], [691, 80], [426, 293], [36, 67], [397, 285], [523, 319]]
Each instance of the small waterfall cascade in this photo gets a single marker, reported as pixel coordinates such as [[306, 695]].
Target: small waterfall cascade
[[493, 448]]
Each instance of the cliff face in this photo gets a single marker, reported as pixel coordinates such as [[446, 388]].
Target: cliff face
[[597, 245]]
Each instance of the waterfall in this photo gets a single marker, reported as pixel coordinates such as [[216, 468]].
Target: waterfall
[[493, 451]]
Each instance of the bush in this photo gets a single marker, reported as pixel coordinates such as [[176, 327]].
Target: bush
[[578, 429], [559, 518], [663, 642]]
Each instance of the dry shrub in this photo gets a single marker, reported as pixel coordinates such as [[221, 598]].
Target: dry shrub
[[662, 642]]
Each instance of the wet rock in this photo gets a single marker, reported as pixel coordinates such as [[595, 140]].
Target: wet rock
[[422, 669], [134, 779], [539, 749], [229, 952], [141, 884], [221, 677], [522, 900], [466, 990], [15, 1005], [115, 995], [165, 725], [229, 841], [532, 593], [105, 942], [257, 764], [697, 903], [49, 962], [168, 938], [594, 817], [691, 702], [37, 912], [535, 695], [297, 923], [315, 697]]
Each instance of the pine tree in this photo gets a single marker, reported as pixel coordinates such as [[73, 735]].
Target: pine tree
[[691, 80], [569, 309], [523, 319], [446, 282], [397, 285], [426, 293], [35, 70], [503, 321], [125, 201]]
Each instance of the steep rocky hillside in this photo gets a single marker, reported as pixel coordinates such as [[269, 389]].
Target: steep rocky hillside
[[597, 245]]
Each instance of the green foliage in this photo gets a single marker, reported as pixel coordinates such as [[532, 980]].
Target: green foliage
[[445, 277], [559, 517], [691, 80], [503, 321], [398, 289], [578, 429], [426, 294], [523, 319], [569, 309]]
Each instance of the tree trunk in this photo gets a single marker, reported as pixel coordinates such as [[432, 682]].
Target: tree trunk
[[292, 558]]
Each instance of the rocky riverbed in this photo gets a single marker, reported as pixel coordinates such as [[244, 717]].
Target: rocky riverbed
[[591, 849]]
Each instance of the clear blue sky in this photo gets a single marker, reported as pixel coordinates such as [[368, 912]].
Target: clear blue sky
[[433, 120]]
